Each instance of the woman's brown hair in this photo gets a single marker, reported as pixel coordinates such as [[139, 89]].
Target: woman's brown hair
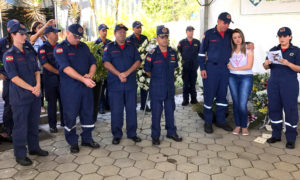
[[243, 45], [34, 26]]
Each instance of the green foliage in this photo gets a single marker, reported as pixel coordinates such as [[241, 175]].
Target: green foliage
[[97, 51], [171, 10]]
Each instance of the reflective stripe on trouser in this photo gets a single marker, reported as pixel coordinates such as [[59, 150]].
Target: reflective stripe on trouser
[[78, 102], [283, 95], [215, 85]]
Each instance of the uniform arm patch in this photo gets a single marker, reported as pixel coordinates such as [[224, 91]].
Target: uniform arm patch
[[59, 50], [42, 51], [148, 59], [9, 58]]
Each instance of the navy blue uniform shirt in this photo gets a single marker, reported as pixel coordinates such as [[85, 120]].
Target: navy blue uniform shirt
[[162, 73], [98, 41], [137, 42], [45, 54], [23, 65], [217, 49], [189, 51], [292, 54], [122, 60], [4, 46], [78, 57]]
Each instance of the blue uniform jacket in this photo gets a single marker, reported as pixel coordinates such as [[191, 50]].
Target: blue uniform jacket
[[23, 65], [122, 60], [162, 73], [98, 41], [45, 54], [78, 57], [189, 52], [292, 54], [137, 42], [4, 46], [217, 49]]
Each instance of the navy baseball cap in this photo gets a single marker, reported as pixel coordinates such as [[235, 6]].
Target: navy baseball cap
[[284, 31], [226, 17], [51, 29], [120, 26], [162, 30], [11, 22], [190, 28], [18, 28], [76, 29], [136, 24], [102, 26]]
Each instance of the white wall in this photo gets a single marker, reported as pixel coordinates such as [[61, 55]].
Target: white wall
[[260, 29]]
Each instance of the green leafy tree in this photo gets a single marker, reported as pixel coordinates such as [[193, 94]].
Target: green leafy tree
[[171, 10]]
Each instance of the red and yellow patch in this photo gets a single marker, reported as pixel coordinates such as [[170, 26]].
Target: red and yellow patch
[[9, 58], [42, 51], [59, 50], [203, 37], [148, 59]]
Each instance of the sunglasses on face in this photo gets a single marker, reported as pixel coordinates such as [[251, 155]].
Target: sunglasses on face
[[77, 36], [164, 36]]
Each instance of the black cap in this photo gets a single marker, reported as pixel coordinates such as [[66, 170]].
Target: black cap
[[136, 24], [102, 26], [162, 30], [76, 29], [51, 29], [284, 31], [120, 26], [18, 28], [226, 17], [11, 22], [190, 28]]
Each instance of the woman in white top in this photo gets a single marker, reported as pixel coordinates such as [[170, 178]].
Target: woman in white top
[[240, 80]]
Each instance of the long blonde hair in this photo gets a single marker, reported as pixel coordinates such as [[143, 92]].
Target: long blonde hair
[[243, 45]]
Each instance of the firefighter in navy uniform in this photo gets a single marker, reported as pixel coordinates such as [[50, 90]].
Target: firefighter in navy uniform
[[189, 48], [137, 38], [283, 89], [77, 67], [51, 77], [103, 102], [21, 67], [121, 59], [160, 65], [216, 45]]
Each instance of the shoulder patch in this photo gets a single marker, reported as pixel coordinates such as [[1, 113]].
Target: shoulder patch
[[148, 59], [59, 50], [9, 58], [42, 51], [203, 37]]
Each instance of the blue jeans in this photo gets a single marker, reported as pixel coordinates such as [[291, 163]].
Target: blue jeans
[[240, 89]]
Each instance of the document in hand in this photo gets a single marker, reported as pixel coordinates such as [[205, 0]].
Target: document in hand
[[275, 56]]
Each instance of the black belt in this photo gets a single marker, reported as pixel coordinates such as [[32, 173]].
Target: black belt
[[216, 63]]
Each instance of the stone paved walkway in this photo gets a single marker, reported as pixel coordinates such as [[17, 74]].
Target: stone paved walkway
[[200, 156]]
